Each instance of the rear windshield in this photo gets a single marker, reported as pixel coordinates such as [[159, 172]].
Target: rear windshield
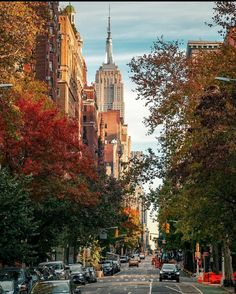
[[169, 266], [48, 288], [55, 266]]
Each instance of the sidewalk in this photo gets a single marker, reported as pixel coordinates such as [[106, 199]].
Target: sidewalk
[[208, 288], [214, 289]]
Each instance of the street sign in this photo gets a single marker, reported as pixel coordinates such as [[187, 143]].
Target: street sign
[[103, 235]]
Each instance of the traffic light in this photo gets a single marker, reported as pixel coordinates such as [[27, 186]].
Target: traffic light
[[163, 227], [116, 233], [167, 228]]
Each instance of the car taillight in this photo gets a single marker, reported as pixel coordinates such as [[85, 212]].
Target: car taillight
[[23, 287]]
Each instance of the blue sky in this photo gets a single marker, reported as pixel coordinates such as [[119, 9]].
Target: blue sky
[[135, 26]]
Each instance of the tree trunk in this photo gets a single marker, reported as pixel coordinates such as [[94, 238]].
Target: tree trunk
[[215, 254], [227, 263]]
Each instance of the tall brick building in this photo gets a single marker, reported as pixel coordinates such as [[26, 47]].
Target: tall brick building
[[194, 47], [72, 77], [90, 121], [110, 133], [47, 49]]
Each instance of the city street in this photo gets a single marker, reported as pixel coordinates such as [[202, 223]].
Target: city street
[[142, 280]]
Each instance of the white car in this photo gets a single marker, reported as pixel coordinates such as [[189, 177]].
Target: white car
[[142, 256]]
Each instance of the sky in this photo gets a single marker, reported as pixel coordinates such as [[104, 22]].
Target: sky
[[135, 26]]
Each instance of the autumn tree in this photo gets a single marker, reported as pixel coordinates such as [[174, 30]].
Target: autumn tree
[[196, 140], [19, 25]]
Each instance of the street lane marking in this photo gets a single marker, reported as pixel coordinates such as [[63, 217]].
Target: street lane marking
[[197, 289], [150, 291], [174, 289]]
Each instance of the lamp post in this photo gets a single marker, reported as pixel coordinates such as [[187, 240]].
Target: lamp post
[[224, 79], [5, 86]]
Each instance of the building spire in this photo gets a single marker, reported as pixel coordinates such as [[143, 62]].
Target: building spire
[[109, 56]]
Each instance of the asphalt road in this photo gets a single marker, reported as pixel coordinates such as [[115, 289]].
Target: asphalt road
[[141, 280]]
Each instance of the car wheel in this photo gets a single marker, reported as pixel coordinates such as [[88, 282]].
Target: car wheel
[[177, 280], [160, 279]]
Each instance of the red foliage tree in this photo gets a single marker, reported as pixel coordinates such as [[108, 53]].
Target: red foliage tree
[[48, 148]]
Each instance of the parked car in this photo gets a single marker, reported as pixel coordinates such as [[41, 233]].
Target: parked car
[[34, 275], [77, 274], [134, 261], [20, 275], [116, 265], [92, 278], [9, 287], [169, 271], [108, 268], [57, 286], [59, 267], [124, 259]]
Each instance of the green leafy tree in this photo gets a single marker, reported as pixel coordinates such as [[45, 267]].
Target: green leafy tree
[[17, 218]]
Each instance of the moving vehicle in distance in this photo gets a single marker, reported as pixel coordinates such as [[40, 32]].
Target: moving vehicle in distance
[[124, 259], [142, 255], [134, 261]]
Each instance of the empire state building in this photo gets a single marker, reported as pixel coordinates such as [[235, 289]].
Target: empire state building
[[108, 81]]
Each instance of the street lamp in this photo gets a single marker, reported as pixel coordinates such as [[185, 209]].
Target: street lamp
[[5, 86], [223, 79]]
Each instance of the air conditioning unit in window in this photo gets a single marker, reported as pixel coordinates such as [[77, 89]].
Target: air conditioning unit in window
[[48, 78]]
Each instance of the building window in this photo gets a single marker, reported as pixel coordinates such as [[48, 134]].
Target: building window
[[51, 49], [51, 30], [105, 134], [85, 107], [84, 118], [105, 126], [50, 65]]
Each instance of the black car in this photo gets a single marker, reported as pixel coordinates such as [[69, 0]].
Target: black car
[[77, 274], [20, 275], [57, 286], [108, 268], [92, 274], [169, 271]]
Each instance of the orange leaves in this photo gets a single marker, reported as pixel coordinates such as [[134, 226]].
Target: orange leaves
[[19, 25], [131, 211]]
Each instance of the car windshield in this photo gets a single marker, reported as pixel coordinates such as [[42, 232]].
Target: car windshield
[[11, 275], [48, 288], [107, 264], [7, 285], [76, 268], [55, 266], [168, 267]]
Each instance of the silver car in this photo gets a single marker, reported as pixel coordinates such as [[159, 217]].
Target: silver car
[[60, 269]]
